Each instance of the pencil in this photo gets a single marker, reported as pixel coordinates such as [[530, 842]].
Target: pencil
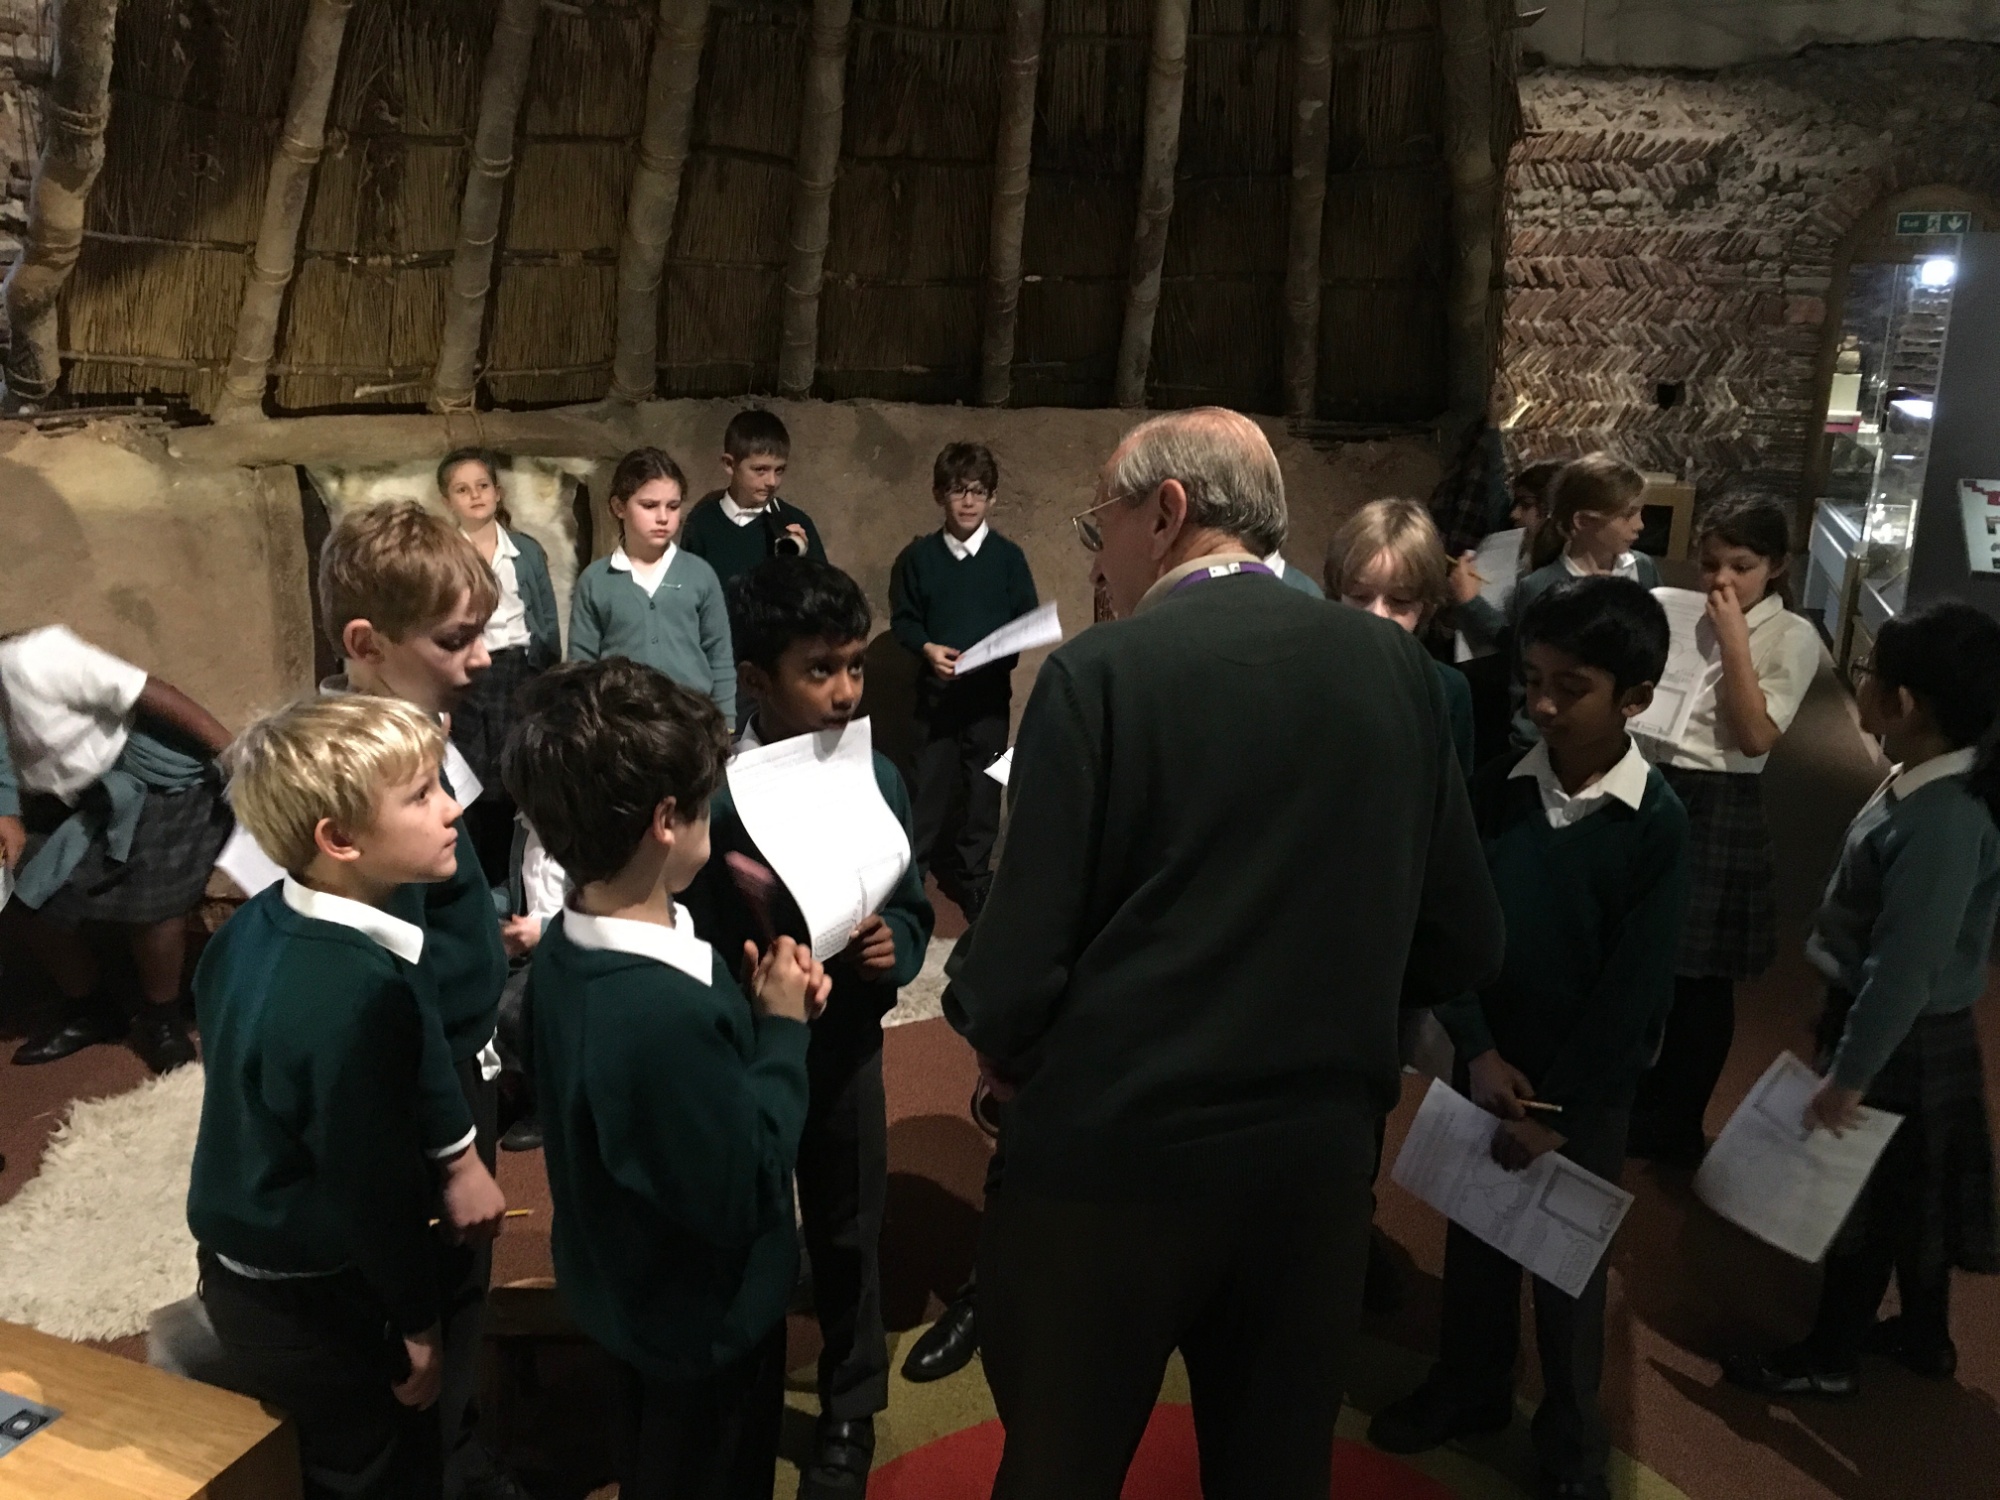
[[512, 1213], [1547, 1109]]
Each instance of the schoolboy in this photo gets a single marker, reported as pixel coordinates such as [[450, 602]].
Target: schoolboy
[[405, 600], [735, 528], [310, 1195], [1587, 846], [801, 632], [671, 1110], [949, 590]]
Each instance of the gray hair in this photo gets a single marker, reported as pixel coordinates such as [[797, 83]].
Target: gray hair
[[1224, 462]]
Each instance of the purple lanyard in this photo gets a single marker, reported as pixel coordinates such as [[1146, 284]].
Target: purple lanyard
[[1220, 570]]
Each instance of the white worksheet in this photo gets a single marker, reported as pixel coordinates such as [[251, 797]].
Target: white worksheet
[[465, 787], [1789, 1186], [1555, 1218], [244, 861], [815, 812], [1694, 667], [1002, 768], [1497, 560], [1038, 627]]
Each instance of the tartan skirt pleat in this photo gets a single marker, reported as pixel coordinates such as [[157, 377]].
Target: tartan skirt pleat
[[173, 850], [1731, 930], [480, 722]]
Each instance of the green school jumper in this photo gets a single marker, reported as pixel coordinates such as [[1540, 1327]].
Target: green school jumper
[[681, 628], [731, 549]]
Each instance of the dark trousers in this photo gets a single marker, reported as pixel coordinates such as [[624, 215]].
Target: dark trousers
[[1259, 1287], [1851, 1294], [843, 1179], [1481, 1325], [712, 1439], [954, 804], [464, 1272], [321, 1349], [1673, 1096]]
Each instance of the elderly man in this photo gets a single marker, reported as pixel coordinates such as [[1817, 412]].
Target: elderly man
[[1237, 840]]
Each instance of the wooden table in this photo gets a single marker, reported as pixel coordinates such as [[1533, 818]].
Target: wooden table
[[130, 1432]]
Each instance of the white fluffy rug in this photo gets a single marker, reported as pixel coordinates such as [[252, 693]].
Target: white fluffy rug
[[923, 998], [99, 1237]]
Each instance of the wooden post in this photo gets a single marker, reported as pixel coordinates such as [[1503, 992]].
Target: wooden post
[[1164, 84], [678, 37], [79, 107], [812, 193], [292, 166], [1475, 186], [1312, 98], [1010, 199], [500, 91]]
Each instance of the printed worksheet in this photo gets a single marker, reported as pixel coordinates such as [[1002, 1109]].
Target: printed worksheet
[[812, 805], [1555, 1218], [1038, 627], [1497, 560], [1694, 667], [1789, 1186]]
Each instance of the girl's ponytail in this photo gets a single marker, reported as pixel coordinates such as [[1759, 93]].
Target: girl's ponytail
[[1947, 656], [1546, 545], [1596, 482]]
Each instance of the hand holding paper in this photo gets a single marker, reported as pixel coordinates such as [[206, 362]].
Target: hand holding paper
[[1039, 627], [1694, 666]]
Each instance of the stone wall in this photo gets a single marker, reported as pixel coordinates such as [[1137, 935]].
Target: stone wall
[[1674, 236]]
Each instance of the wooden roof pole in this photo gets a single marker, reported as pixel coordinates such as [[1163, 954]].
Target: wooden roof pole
[[820, 124], [1312, 98], [272, 262], [678, 37], [1165, 81], [1475, 187], [501, 89], [1010, 199], [79, 107]]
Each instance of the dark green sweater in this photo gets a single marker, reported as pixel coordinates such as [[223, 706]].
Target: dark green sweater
[[1458, 712], [310, 1153], [731, 549], [1593, 920], [939, 599], [1238, 837]]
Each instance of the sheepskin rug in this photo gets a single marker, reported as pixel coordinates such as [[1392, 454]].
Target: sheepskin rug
[[99, 1237], [923, 998]]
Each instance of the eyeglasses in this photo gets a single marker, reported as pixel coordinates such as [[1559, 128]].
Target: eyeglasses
[[969, 492], [1088, 531]]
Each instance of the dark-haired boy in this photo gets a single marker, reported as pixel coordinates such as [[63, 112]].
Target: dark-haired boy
[[950, 590], [1586, 844], [735, 528], [801, 632], [671, 1111]]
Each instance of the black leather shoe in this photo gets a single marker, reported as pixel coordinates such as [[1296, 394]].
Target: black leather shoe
[[89, 1027], [1433, 1415], [1789, 1372], [525, 1134], [161, 1039], [1933, 1359], [947, 1346], [843, 1453]]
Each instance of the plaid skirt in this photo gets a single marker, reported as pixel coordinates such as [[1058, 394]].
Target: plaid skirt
[[1731, 931], [1932, 1189], [173, 850], [480, 722]]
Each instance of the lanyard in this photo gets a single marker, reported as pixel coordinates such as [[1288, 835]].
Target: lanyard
[[1220, 570]]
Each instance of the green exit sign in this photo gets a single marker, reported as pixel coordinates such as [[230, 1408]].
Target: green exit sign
[[1933, 223]]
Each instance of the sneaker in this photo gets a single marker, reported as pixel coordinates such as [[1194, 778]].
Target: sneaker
[[1433, 1415], [1930, 1357], [1795, 1371]]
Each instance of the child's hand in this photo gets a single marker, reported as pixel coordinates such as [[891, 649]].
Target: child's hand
[[787, 982], [474, 1206], [1517, 1143], [426, 1378], [1498, 1087], [872, 949], [798, 534], [942, 660], [1732, 626], [13, 839], [1833, 1108], [518, 935], [1466, 580]]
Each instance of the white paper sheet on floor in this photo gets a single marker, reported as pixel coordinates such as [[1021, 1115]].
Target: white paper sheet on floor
[[812, 806], [1790, 1187], [1555, 1218], [1038, 627], [1497, 559], [1694, 667], [1002, 768]]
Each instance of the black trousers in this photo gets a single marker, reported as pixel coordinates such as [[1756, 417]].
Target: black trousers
[[954, 804], [843, 1180], [1259, 1287], [464, 1273], [1481, 1325], [1673, 1096], [322, 1350], [712, 1439]]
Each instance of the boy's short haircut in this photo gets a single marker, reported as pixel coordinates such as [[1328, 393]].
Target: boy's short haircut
[[598, 746], [965, 464], [787, 599], [756, 433], [401, 568], [1402, 528], [1609, 623], [324, 757]]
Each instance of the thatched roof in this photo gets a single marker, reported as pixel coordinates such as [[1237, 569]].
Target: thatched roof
[[199, 89]]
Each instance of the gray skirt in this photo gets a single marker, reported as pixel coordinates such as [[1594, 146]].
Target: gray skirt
[[1731, 931], [173, 851]]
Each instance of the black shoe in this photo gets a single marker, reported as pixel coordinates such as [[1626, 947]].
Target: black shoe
[[1597, 1487], [1431, 1416], [525, 1134], [90, 1026], [1932, 1358], [949, 1344], [161, 1039], [1789, 1372], [843, 1453]]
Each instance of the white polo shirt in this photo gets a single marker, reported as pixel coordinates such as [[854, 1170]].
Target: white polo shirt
[[1784, 648], [507, 627], [69, 709]]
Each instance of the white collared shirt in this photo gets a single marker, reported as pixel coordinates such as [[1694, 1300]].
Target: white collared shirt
[[1627, 566], [1899, 783], [649, 576], [1276, 563], [967, 548], [69, 708], [677, 946], [738, 516], [1784, 648], [1624, 782], [507, 627], [404, 939]]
